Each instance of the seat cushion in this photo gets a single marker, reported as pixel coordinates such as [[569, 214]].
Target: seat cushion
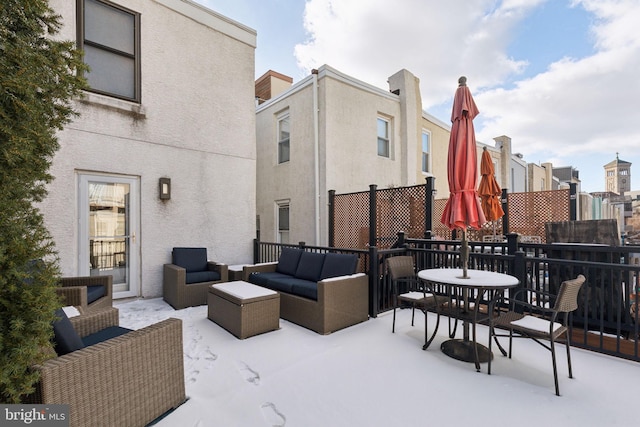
[[65, 337], [288, 261], [191, 259], [305, 288], [262, 279], [95, 292], [338, 265], [201, 276], [310, 266], [104, 334]]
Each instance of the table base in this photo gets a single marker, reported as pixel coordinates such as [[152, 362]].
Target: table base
[[464, 351]]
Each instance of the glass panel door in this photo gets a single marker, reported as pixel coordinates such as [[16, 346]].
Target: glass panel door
[[108, 241]]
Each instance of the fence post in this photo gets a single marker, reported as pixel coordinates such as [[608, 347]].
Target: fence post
[[400, 239], [373, 220], [332, 217], [573, 201], [374, 282], [512, 243], [520, 271], [428, 207], [256, 251], [505, 207]]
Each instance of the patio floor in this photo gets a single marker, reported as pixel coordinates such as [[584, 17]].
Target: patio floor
[[365, 375]]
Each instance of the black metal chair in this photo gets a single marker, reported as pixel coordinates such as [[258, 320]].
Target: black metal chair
[[530, 318], [409, 290]]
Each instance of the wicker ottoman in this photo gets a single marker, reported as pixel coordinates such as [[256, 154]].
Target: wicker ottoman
[[244, 309]]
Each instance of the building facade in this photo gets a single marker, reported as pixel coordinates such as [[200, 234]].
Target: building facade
[[163, 151], [618, 176]]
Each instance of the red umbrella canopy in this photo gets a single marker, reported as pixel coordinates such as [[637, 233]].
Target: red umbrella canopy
[[463, 207], [489, 190]]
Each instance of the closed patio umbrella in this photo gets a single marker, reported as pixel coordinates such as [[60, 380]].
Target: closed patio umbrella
[[463, 207], [489, 190]]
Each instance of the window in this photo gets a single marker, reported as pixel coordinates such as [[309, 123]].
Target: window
[[426, 151], [542, 185], [283, 222], [283, 138], [110, 38], [624, 171], [383, 137]]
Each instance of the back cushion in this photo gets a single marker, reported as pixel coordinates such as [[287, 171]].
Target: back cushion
[[288, 261], [191, 259], [65, 337], [310, 266], [338, 265]]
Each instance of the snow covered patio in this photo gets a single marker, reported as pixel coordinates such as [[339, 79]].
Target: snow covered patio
[[365, 375]]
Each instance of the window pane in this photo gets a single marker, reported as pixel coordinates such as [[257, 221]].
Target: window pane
[[383, 128], [283, 218], [110, 73], [383, 147], [283, 140], [283, 151], [425, 162], [109, 26]]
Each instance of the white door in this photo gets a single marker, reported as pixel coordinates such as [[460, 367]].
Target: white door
[[109, 207]]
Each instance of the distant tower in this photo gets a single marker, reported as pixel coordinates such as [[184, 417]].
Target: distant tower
[[618, 176]]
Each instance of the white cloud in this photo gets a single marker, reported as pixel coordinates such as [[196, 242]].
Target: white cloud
[[576, 106]]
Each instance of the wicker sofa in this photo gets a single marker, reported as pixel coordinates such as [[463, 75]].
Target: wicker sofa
[[321, 292], [129, 380], [87, 292]]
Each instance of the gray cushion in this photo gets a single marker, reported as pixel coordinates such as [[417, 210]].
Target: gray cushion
[[310, 266], [104, 334], [95, 292], [288, 261], [66, 339], [191, 259], [338, 265], [262, 279], [201, 276], [305, 288]]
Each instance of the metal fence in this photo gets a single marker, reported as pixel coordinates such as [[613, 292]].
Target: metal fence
[[607, 317]]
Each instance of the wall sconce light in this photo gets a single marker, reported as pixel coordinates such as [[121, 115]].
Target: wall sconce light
[[164, 186]]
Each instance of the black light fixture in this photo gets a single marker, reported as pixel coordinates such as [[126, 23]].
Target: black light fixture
[[164, 186]]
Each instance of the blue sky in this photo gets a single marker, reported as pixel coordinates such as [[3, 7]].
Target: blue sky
[[557, 76]]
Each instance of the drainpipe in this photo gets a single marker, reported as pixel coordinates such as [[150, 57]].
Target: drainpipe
[[316, 157]]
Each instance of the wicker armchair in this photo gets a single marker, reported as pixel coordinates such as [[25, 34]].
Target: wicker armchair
[[78, 291], [129, 380], [186, 280]]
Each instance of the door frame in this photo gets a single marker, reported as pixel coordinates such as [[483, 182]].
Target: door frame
[[134, 266]]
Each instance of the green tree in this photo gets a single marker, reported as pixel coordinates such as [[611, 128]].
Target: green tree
[[40, 76]]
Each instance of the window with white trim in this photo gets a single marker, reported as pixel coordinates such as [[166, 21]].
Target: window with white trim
[[110, 37], [283, 222], [383, 137], [283, 138], [426, 151]]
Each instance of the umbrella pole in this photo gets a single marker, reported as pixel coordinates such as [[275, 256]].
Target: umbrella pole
[[464, 253]]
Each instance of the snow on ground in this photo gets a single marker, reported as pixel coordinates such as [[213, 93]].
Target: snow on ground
[[366, 376]]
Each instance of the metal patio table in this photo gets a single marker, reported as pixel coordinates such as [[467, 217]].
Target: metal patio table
[[479, 282]]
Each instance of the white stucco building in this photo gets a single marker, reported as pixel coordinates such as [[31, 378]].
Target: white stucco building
[[331, 131], [172, 97]]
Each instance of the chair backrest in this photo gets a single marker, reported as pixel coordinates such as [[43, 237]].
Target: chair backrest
[[567, 299], [191, 259], [400, 267]]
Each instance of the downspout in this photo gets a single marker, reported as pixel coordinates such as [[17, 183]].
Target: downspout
[[316, 157]]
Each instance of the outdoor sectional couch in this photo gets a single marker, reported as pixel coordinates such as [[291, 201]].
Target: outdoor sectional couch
[[320, 291]]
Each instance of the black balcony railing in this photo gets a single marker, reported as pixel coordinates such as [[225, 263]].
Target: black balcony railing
[[606, 320]]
